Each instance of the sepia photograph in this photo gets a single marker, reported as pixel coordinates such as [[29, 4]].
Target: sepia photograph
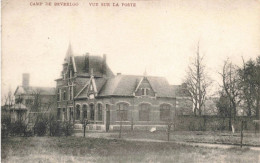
[[130, 81]]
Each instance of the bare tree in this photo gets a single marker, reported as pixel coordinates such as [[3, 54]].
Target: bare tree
[[9, 99], [230, 86], [197, 82]]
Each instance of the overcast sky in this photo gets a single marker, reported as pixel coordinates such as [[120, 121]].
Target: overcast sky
[[159, 36]]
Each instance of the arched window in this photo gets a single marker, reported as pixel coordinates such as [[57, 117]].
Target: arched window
[[144, 112], [64, 95], [77, 112], [92, 112], [99, 112], [85, 113], [122, 111], [165, 112]]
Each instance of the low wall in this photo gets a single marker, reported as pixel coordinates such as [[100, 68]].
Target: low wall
[[212, 123], [184, 123]]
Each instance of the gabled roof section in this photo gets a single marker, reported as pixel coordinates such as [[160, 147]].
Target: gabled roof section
[[34, 90], [97, 84], [125, 85], [83, 93], [141, 81]]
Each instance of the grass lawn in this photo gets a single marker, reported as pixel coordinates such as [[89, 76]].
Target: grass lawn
[[79, 149], [197, 136]]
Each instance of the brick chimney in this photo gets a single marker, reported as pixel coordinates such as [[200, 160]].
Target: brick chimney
[[26, 79], [87, 63], [104, 64]]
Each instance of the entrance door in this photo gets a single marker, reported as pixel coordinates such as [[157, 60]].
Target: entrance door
[[107, 117]]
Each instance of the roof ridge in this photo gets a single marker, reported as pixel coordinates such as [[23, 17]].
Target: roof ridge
[[36, 86], [83, 55], [141, 76]]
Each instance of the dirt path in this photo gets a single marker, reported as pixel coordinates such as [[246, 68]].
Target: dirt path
[[208, 145]]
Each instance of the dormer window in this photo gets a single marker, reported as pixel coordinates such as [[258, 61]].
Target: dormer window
[[145, 91], [91, 87]]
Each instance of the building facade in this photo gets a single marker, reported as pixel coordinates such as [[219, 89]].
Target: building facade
[[31, 100], [88, 89]]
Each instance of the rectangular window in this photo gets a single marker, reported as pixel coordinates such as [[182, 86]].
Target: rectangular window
[[70, 92], [59, 95], [146, 91], [143, 91]]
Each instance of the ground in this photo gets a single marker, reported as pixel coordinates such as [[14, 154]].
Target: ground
[[249, 138], [79, 149]]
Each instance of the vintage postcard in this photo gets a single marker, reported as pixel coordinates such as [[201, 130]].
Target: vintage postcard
[[130, 81]]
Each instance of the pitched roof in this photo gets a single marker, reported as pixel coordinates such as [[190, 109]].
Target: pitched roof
[[125, 85], [32, 90], [95, 63]]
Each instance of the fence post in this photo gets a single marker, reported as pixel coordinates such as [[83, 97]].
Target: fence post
[[242, 125], [84, 126]]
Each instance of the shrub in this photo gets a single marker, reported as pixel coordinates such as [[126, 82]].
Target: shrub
[[55, 128], [67, 128], [5, 125], [40, 128], [40, 125], [18, 128]]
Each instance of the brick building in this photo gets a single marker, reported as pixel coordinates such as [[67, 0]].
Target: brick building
[[31, 100], [88, 89]]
